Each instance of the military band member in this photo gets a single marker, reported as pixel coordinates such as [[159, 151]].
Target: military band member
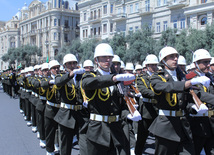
[[182, 63], [148, 103], [105, 135], [171, 127], [88, 65], [202, 123]]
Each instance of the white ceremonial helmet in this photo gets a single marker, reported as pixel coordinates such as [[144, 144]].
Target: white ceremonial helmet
[[45, 66], [68, 58], [103, 49], [88, 63], [138, 67], [181, 60], [151, 59], [201, 54], [166, 51], [129, 66], [116, 58], [53, 63]]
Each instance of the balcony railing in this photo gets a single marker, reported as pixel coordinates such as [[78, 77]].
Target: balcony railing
[[145, 10], [120, 16], [173, 4], [94, 20]]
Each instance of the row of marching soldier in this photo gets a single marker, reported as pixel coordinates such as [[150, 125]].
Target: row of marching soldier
[[113, 110]]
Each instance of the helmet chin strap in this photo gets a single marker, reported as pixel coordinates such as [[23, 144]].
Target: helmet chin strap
[[198, 67], [167, 65], [106, 70]]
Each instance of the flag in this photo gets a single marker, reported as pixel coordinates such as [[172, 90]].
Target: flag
[[19, 66], [47, 60]]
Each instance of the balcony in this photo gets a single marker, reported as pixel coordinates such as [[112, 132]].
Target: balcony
[[94, 20], [174, 4], [119, 17], [32, 32], [66, 28], [145, 11]]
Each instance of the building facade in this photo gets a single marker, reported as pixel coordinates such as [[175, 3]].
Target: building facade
[[103, 18], [48, 25]]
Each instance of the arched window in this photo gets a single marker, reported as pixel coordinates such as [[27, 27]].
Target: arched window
[[204, 21], [55, 52]]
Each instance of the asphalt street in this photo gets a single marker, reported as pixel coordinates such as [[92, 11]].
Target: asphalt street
[[18, 139]]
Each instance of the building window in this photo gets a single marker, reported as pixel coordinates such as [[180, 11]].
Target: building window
[[183, 23], [66, 24], [84, 16], [86, 33], [95, 14], [203, 1], [136, 7], [55, 22], [91, 32], [131, 8], [158, 2], [136, 28], [55, 3], [188, 22], [111, 27], [104, 28], [105, 9], [124, 9], [66, 37], [83, 33], [175, 24], [164, 2], [55, 52], [95, 31], [59, 22], [112, 8], [91, 14], [59, 36], [59, 3], [99, 15], [55, 36], [98, 30], [204, 21], [165, 25], [158, 27]]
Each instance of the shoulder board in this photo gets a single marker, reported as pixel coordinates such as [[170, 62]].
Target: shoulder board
[[190, 75]]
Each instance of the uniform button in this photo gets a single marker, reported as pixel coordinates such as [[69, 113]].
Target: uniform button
[[111, 104], [111, 113]]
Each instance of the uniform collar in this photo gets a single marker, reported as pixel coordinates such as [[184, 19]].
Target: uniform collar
[[103, 72]]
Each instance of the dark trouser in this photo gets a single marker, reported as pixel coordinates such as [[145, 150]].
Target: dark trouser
[[97, 149], [41, 124], [27, 109], [21, 103], [168, 147], [50, 132], [142, 135], [34, 115], [202, 142], [83, 144], [66, 135]]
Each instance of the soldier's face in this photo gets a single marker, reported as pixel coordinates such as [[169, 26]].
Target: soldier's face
[[212, 68], [55, 70], [117, 66], [204, 65], [152, 67], [104, 62], [88, 68], [171, 60], [71, 65], [182, 67]]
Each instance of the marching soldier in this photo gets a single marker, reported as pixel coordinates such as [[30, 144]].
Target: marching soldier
[[148, 107], [88, 65], [43, 76], [70, 116], [51, 109], [202, 121], [171, 127], [106, 106]]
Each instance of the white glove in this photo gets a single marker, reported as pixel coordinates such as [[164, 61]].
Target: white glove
[[202, 79], [136, 106], [85, 104], [27, 75], [52, 81], [136, 117], [79, 71], [125, 77], [194, 107], [138, 95], [202, 109]]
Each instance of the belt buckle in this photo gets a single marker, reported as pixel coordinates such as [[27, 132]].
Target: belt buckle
[[111, 119], [179, 113], [75, 107], [210, 113], [153, 101]]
